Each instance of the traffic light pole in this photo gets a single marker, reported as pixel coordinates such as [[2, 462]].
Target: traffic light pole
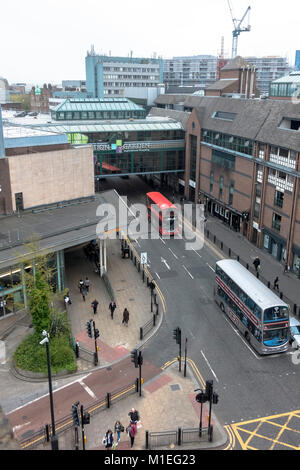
[[96, 346], [82, 428], [185, 353], [140, 373]]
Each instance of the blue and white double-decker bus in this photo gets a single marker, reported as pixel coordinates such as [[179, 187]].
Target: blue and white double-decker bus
[[261, 316]]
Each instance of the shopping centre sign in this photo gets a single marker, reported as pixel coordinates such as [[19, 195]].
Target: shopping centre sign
[[120, 147]]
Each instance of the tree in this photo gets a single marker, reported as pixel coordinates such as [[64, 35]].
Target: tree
[[39, 304]]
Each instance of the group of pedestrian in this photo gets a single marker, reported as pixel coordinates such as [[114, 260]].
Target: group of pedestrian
[[84, 287], [111, 439]]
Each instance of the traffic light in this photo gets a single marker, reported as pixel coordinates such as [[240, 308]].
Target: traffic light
[[177, 335], [201, 397], [209, 389], [75, 415], [96, 331], [140, 359], [134, 357], [215, 398], [89, 329], [86, 418]]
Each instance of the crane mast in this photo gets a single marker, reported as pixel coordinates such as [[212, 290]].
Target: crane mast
[[238, 29]]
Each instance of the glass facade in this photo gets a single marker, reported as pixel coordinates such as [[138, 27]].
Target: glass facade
[[231, 142], [13, 296]]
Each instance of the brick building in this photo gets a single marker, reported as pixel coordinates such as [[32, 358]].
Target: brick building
[[39, 98], [243, 162]]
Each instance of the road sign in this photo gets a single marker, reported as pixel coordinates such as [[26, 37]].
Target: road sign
[[144, 258]]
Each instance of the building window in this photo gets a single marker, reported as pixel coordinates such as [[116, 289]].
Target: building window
[[221, 187], [278, 199], [276, 222], [231, 192], [211, 184]]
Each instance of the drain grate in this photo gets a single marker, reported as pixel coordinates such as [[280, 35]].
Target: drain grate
[[175, 387]]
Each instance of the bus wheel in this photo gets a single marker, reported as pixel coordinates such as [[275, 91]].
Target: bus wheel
[[247, 336], [222, 307]]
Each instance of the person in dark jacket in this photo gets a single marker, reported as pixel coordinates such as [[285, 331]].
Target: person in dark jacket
[[109, 439], [112, 308], [134, 415], [256, 263], [94, 306], [125, 317]]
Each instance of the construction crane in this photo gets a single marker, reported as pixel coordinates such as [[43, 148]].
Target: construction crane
[[238, 29]]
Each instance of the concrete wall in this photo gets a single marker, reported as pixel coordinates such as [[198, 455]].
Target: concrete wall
[[49, 177]]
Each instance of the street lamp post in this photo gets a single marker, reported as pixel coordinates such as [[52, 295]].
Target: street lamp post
[[54, 440]]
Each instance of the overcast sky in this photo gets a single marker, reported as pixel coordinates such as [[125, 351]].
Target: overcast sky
[[47, 40]]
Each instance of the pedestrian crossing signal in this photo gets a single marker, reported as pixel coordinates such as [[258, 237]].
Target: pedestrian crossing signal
[[134, 357], [89, 329]]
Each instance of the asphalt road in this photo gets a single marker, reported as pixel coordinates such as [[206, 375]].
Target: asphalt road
[[249, 385]]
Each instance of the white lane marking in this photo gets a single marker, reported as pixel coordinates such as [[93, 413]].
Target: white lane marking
[[239, 335], [87, 389], [157, 275], [196, 252], [209, 366], [164, 261], [188, 271], [46, 394], [137, 243], [175, 256], [162, 240], [20, 426], [210, 267]]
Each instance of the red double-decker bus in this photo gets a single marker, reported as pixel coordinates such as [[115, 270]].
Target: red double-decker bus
[[164, 213]]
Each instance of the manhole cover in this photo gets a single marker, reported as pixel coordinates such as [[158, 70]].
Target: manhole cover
[[175, 387], [131, 300]]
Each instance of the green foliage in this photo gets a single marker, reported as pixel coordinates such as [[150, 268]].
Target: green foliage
[[31, 355], [59, 324], [39, 300]]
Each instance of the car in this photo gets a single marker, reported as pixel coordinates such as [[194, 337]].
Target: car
[[295, 332]]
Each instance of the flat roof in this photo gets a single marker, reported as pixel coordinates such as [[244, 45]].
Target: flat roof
[[19, 136], [57, 227]]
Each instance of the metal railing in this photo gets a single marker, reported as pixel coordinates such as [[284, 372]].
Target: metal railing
[[177, 437]]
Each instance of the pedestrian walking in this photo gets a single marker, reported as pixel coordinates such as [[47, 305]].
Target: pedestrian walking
[[125, 317], [109, 439], [134, 415], [81, 285], [256, 263], [67, 300], [276, 284], [118, 429], [132, 430], [87, 284], [94, 306], [83, 293], [112, 308]]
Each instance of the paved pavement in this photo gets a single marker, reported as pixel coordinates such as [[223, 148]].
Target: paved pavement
[[168, 398]]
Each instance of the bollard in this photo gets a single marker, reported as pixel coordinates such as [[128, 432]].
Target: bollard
[[281, 295], [147, 440], [222, 246], [154, 317], [295, 309], [269, 284], [108, 399], [179, 437], [238, 258], [157, 309], [47, 432], [229, 252], [247, 266], [141, 333], [257, 275], [214, 239]]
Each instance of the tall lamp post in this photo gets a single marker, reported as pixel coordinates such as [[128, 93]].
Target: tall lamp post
[[54, 440]]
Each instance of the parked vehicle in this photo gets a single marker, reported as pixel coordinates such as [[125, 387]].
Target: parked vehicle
[[295, 332]]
